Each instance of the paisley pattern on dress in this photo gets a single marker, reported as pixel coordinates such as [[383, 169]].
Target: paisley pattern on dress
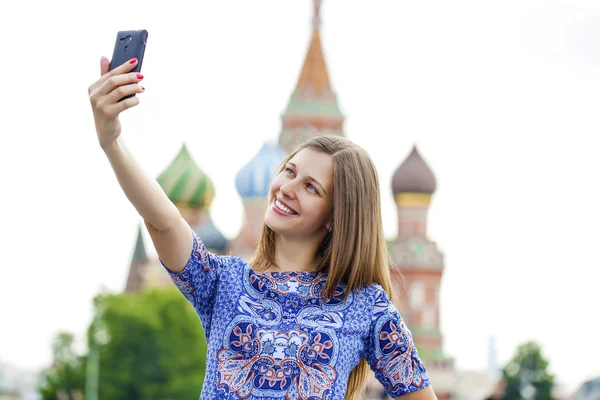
[[271, 336], [267, 363], [395, 360]]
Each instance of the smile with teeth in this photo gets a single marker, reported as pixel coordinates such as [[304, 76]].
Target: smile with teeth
[[283, 208]]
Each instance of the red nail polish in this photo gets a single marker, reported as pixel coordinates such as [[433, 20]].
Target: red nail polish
[[133, 61], [140, 76], [143, 88]]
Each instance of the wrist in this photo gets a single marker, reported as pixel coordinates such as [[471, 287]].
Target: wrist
[[111, 147]]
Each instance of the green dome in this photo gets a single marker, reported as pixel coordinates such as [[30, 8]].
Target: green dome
[[185, 183]]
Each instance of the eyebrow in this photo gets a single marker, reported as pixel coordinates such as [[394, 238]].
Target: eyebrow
[[310, 178]]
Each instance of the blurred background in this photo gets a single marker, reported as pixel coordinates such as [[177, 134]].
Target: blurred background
[[481, 117]]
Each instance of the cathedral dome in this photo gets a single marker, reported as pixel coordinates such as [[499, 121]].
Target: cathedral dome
[[414, 176], [185, 183], [254, 179]]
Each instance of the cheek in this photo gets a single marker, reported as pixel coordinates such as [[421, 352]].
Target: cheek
[[275, 185], [319, 210]]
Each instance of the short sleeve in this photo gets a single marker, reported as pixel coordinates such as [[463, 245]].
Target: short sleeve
[[390, 350], [198, 281]]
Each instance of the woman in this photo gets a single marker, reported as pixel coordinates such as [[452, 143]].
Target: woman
[[311, 311]]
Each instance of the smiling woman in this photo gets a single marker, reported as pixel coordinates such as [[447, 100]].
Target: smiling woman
[[307, 316], [324, 215], [300, 193]]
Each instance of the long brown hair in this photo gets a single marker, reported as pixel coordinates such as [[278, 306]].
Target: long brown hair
[[354, 252]]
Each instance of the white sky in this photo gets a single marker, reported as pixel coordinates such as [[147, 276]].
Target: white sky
[[501, 97]]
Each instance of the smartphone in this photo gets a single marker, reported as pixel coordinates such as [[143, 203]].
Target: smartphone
[[129, 44]]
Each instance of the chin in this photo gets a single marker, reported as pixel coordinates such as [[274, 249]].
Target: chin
[[272, 222]]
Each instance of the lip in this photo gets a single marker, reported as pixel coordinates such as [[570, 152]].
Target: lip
[[278, 211]]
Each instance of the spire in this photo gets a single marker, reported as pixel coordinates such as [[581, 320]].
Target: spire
[[138, 266], [314, 78], [139, 254], [317, 14], [313, 107], [493, 370]]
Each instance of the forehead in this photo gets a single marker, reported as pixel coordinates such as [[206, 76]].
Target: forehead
[[315, 164]]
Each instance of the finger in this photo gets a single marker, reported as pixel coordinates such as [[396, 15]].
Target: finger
[[115, 82], [123, 91], [125, 67], [106, 74], [104, 65], [118, 108], [121, 69]]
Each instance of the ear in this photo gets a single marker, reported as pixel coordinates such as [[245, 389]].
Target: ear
[[329, 224]]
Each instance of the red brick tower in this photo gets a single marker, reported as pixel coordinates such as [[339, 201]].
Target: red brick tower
[[418, 269]]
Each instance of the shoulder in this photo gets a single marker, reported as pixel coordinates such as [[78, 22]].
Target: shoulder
[[233, 263], [373, 296], [380, 303], [373, 289], [375, 293], [208, 261]]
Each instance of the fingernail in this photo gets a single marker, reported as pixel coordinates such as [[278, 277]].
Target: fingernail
[[140, 76], [133, 61], [143, 88]]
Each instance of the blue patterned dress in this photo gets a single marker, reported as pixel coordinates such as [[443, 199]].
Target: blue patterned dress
[[270, 336]]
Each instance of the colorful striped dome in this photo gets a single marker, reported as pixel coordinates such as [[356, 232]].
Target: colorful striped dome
[[254, 179], [185, 183]]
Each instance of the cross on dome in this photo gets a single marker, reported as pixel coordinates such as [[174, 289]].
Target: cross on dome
[[317, 13]]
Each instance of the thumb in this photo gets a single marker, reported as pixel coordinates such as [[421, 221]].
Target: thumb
[[104, 65]]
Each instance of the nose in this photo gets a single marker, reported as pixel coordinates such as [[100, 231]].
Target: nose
[[287, 189]]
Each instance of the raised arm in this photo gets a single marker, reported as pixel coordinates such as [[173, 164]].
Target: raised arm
[[170, 233]]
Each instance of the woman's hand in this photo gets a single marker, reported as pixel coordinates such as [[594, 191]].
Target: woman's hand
[[105, 94]]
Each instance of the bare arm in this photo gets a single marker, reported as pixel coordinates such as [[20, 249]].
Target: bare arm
[[170, 233], [425, 394], [144, 193]]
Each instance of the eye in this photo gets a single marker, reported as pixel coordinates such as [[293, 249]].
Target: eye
[[312, 189], [289, 172]]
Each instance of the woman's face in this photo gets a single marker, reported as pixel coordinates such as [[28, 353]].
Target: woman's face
[[301, 196]]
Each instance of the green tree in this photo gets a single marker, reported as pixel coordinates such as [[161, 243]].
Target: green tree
[[527, 375], [154, 346], [143, 346], [65, 378]]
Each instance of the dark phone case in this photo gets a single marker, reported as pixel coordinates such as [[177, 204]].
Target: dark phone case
[[129, 44]]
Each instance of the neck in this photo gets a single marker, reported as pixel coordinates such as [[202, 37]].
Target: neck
[[296, 254]]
